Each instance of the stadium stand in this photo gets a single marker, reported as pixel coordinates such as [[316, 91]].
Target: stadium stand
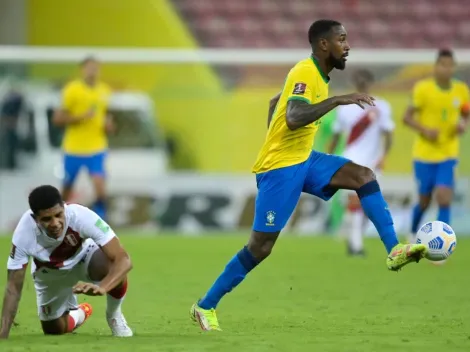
[[281, 23]]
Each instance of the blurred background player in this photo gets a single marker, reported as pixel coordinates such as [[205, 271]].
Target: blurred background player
[[439, 115], [70, 246], [368, 141], [84, 115]]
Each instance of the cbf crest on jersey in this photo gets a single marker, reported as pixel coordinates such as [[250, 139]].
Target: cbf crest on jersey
[[456, 102], [270, 218]]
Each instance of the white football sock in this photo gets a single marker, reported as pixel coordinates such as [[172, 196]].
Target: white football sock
[[113, 305], [356, 229], [78, 315]]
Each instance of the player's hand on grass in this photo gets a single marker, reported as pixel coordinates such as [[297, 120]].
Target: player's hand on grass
[[430, 134], [88, 289], [359, 99]]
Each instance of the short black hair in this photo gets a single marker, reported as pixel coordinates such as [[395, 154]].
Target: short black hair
[[445, 53], [88, 59], [320, 29], [44, 197]]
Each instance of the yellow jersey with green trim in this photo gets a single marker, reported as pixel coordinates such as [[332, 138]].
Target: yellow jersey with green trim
[[441, 110], [88, 137], [282, 146]]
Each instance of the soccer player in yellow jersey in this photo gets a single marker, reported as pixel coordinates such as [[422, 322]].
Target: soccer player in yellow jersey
[[84, 116], [287, 166], [439, 115]]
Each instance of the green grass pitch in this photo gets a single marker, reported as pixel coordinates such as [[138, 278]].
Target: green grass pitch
[[307, 297]]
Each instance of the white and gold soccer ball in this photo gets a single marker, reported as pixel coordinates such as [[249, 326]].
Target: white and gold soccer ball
[[440, 239]]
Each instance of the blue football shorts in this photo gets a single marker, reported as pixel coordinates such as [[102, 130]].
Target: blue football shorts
[[279, 190], [431, 175], [95, 164]]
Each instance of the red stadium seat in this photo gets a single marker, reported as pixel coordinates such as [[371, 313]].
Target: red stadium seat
[[282, 23]]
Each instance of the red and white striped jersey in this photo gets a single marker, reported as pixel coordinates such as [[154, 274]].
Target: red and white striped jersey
[[363, 130], [61, 255]]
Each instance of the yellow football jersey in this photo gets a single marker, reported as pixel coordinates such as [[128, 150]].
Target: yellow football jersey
[[282, 146], [88, 137], [441, 110]]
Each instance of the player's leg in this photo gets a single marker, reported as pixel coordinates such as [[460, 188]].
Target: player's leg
[[445, 181], [328, 173], [72, 166], [356, 225], [96, 167], [97, 267], [425, 175], [59, 312], [278, 194]]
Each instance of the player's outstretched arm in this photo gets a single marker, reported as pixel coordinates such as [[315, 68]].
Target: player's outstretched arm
[[11, 300], [300, 113], [120, 264], [272, 107]]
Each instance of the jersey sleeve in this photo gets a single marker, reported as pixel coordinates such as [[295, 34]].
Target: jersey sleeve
[[68, 97], [417, 100], [386, 120], [300, 84], [19, 256], [92, 226]]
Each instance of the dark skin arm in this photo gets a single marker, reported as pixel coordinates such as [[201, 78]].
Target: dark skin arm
[[11, 300], [120, 265], [463, 125], [272, 107], [300, 113]]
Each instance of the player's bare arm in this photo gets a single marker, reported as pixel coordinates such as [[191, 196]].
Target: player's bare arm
[[11, 300], [272, 106], [410, 121], [465, 120], [120, 265], [110, 125], [300, 113]]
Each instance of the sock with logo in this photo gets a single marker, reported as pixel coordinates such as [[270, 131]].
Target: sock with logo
[[235, 271]]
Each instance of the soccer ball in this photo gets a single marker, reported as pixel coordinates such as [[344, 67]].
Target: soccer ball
[[439, 238]]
